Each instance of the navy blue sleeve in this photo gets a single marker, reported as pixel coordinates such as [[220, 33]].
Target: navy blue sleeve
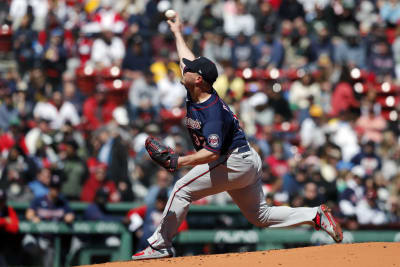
[[213, 133], [66, 206], [35, 203]]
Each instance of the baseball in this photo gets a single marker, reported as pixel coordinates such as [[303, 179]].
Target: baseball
[[170, 14]]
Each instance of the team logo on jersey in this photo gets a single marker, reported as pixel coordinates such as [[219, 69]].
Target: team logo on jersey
[[213, 140], [192, 124]]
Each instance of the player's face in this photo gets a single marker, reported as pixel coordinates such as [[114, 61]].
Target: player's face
[[189, 78]]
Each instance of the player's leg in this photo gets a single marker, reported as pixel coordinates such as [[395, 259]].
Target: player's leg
[[199, 182], [251, 201], [203, 180]]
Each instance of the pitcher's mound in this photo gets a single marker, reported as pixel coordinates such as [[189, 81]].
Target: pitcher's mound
[[354, 255]]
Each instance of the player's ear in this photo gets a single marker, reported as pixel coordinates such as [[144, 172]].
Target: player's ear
[[198, 80]]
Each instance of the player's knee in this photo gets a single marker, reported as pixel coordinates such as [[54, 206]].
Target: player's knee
[[260, 218], [180, 191], [178, 185], [259, 223]]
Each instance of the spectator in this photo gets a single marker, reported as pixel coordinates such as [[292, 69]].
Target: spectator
[[108, 18], [16, 174], [21, 102], [207, 21], [114, 153], [51, 207], [237, 20], [322, 44], [217, 48], [278, 100], [54, 58], [389, 11], [344, 136], [97, 180], [368, 158], [97, 109], [311, 132], [8, 113], [71, 94], [137, 57], [290, 9], [343, 98], [293, 181], [381, 60], [266, 17], [75, 170], [39, 11], [277, 161], [352, 51], [9, 225], [304, 93], [108, 50], [144, 98], [40, 186], [371, 125], [172, 93], [311, 195], [39, 137], [57, 111], [24, 42], [244, 54], [271, 52], [162, 63], [368, 212], [353, 193], [228, 84]]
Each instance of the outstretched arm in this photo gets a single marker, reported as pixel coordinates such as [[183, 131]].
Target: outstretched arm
[[202, 156], [183, 49]]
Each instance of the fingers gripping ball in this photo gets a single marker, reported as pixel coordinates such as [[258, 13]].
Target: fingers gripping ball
[[162, 154], [170, 14]]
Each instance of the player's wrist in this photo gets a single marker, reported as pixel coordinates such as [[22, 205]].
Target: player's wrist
[[181, 161], [178, 34], [184, 161]]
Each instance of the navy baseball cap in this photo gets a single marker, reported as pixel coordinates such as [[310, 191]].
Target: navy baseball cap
[[202, 66]]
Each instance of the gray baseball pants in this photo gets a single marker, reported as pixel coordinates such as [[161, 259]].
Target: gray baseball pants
[[237, 173]]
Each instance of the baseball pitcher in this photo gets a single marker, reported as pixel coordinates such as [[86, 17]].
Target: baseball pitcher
[[224, 161]]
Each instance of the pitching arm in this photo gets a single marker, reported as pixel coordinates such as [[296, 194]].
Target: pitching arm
[[183, 49]]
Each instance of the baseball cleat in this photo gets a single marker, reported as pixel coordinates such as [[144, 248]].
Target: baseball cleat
[[152, 253], [324, 220]]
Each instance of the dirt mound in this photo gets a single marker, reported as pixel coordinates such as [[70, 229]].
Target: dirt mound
[[354, 255]]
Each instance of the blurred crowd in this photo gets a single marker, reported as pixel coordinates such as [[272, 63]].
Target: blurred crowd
[[315, 84]]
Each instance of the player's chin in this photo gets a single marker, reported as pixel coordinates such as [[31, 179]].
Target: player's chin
[[184, 84]]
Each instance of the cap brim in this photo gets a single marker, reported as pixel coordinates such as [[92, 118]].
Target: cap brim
[[190, 64]]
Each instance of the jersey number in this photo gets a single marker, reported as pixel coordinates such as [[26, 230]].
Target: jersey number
[[198, 140]]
